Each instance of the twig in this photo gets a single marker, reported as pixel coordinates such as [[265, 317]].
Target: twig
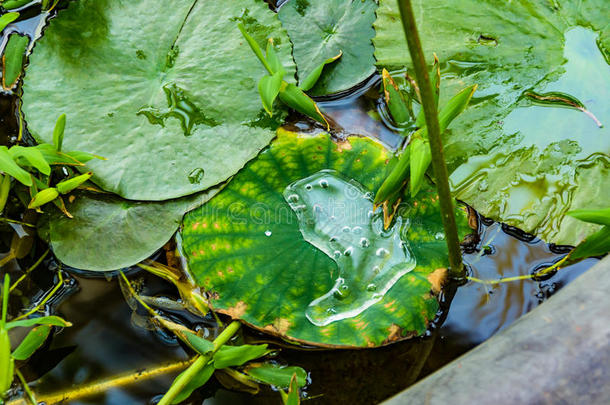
[[457, 270], [100, 386]]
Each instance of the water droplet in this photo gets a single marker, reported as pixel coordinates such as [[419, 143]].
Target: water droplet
[[308, 187], [483, 185], [357, 230], [323, 183], [382, 252], [371, 287], [268, 233], [337, 254], [348, 251], [196, 175], [364, 242], [346, 229], [376, 269], [439, 236], [293, 198]]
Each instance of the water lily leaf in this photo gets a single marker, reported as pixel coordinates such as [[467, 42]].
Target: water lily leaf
[[173, 111], [321, 29], [109, 233], [259, 258], [529, 148]]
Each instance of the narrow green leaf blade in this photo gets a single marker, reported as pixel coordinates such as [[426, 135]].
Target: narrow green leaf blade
[[43, 320], [420, 160], [8, 166], [7, 18], [195, 383], [276, 375], [272, 58], [32, 342], [58, 132], [595, 245], [33, 156], [269, 88], [66, 186], [201, 345], [12, 59], [395, 179], [313, 77], [293, 397], [231, 356], [600, 217], [255, 47], [399, 110], [53, 157], [296, 99]]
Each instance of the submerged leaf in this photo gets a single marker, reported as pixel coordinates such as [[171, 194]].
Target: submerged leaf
[[180, 107]]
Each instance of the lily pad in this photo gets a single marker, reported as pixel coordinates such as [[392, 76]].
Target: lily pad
[[265, 263], [530, 147], [320, 29], [167, 94], [109, 233]]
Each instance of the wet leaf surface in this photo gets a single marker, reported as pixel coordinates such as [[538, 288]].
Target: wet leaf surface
[[320, 29], [246, 247], [518, 158], [174, 111]]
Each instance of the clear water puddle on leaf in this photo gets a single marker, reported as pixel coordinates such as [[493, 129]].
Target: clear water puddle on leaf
[[336, 216], [179, 107]]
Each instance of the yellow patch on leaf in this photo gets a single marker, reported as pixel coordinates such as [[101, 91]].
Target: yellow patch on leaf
[[238, 310], [437, 279], [280, 325]]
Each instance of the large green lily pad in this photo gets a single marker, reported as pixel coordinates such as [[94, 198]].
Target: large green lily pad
[[521, 153], [320, 29], [167, 93], [110, 233], [247, 246]]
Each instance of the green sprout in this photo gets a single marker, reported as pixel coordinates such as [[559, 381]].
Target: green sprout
[[28, 346], [31, 166], [413, 163], [217, 355], [273, 85]]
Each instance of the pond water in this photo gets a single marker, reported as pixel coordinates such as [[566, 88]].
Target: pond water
[[108, 338]]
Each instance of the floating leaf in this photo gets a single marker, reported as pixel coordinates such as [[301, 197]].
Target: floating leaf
[[516, 158], [246, 248], [320, 29], [166, 99], [12, 59], [32, 342], [276, 375], [109, 233], [43, 320]]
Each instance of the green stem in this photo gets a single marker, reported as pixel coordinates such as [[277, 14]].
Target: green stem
[[456, 270], [5, 292], [183, 379], [26, 388]]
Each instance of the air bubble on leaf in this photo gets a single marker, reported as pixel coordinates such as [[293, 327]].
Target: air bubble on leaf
[[439, 236], [268, 233], [196, 175], [364, 242]]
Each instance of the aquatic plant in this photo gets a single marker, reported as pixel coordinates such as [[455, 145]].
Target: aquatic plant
[[29, 344]]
